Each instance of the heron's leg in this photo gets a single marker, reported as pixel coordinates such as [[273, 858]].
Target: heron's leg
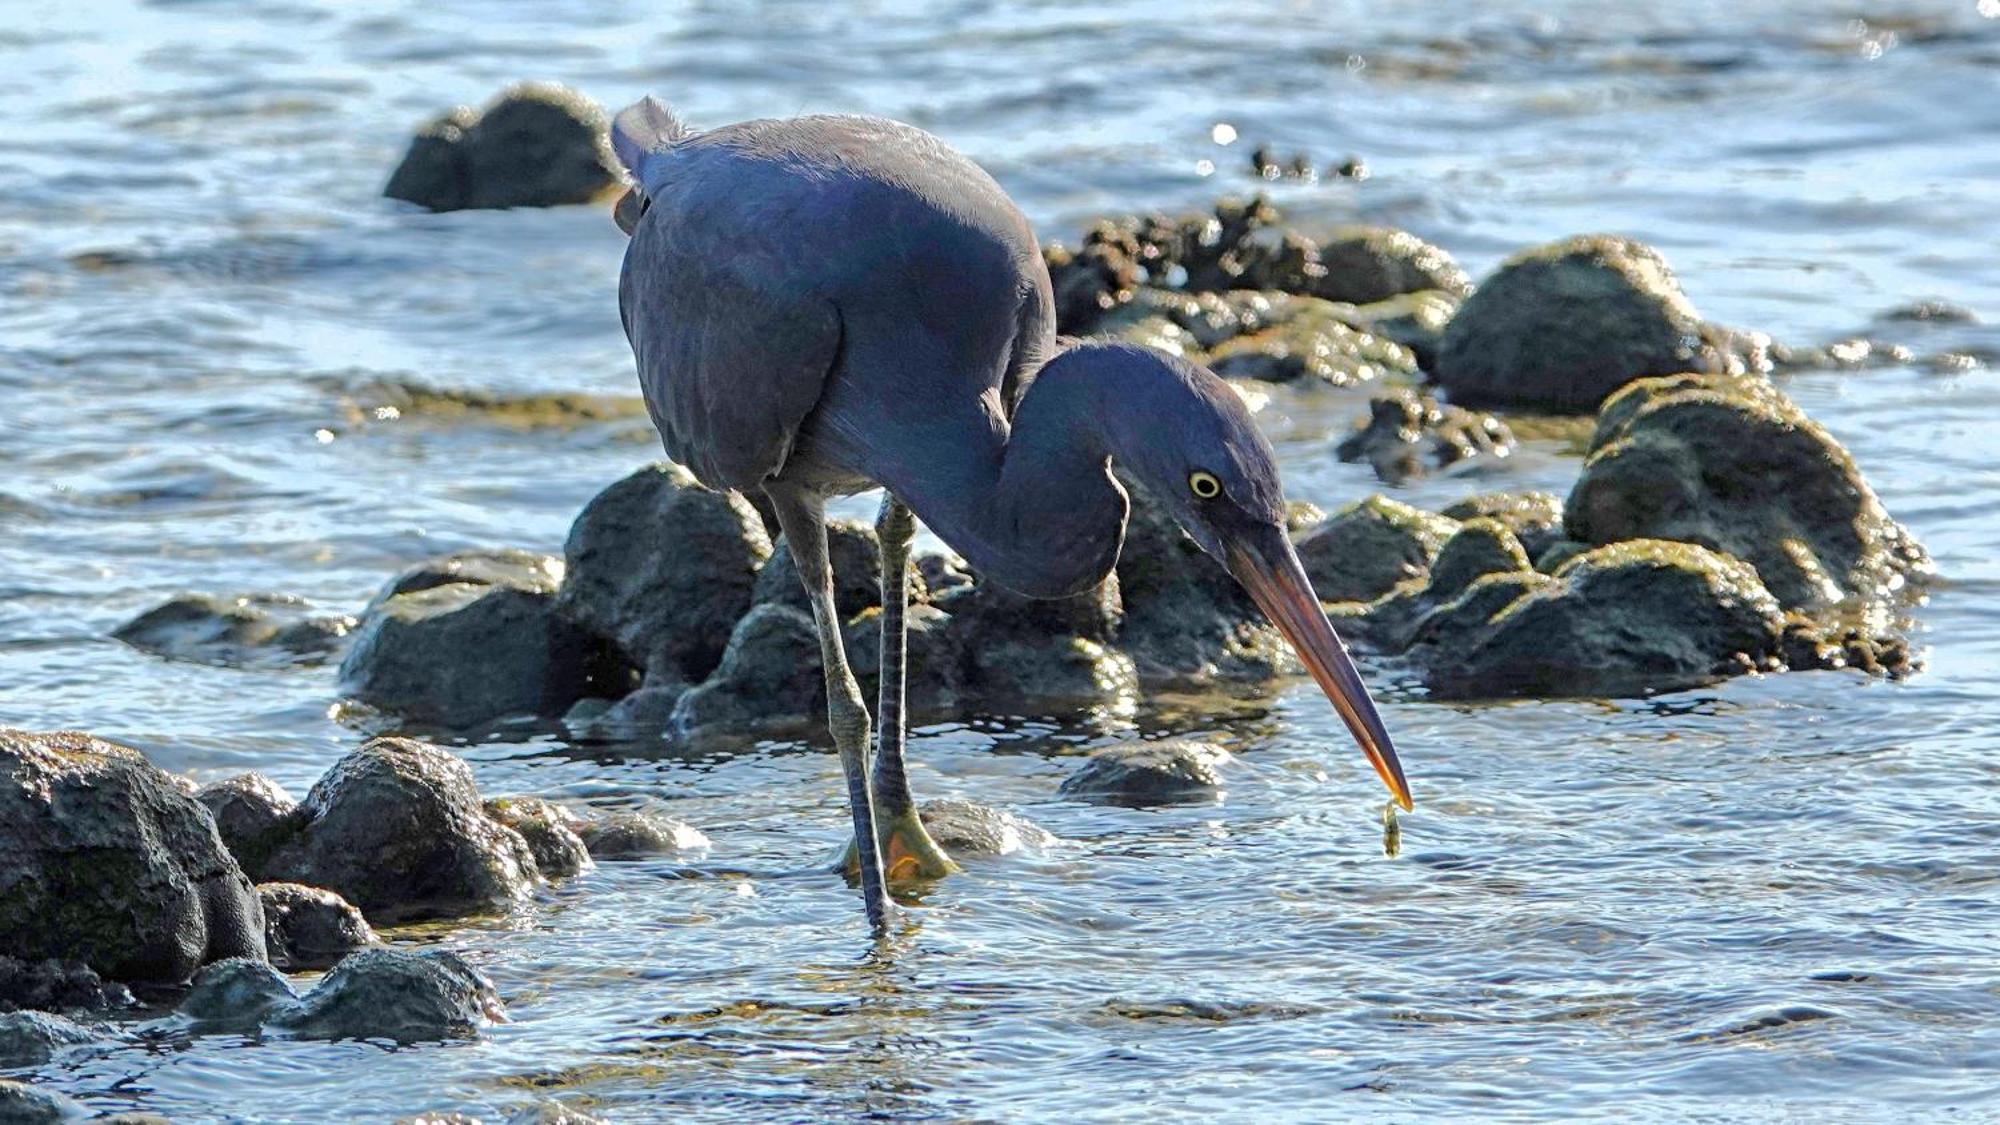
[[907, 849], [803, 517]]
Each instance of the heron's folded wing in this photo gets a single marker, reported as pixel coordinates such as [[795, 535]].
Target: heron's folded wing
[[730, 368]]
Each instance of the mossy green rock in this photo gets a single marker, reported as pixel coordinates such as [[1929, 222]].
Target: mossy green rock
[[1369, 548], [1560, 327], [1732, 464], [1535, 518], [1365, 264], [1628, 619], [109, 863], [535, 145], [1481, 547]]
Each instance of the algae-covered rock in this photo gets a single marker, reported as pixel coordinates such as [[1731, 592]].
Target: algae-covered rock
[[1480, 547], [1171, 771], [1409, 434], [1628, 619], [769, 676], [310, 927], [535, 145], [1368, 548], [1560, 327], [637, 833], [1731, 464], [1365, 264], [23, 1104], [1014, 649], [396, 994], [246, 630], [33, 1038], [1535, 518], [664, 568], [1182, 617], [966, 828], [50, 984], [109, 863], [397, 828], [550, 830], [239, 992], [933, 679], [511, 567], [857, 571], [252, 814], [1315, 341]]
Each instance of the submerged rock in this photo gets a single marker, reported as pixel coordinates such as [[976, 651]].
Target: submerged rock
[[630, 835], [1171, 771], [549, 829], [664, 568], [965, 828], [1627, 619], [110, 864], [310, 927], [22, 1104], [1560, 327], [33, 1038], [397, 828], [247, 630], [769, 676], [464, 653], [1733, 465], [536, 145], [1366, 264], [1409, 434], [396, 994], [252, 814], [239, 992], [1369, 548]]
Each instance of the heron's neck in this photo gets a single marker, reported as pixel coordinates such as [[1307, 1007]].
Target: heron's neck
[[1038, 510]]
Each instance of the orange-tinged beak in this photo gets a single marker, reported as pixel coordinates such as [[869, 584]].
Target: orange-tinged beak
[[1281, 589]]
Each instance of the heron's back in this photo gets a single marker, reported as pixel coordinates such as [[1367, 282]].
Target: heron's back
[[839, 286]]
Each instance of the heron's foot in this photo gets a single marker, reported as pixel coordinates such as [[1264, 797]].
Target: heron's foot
[[909, 855]]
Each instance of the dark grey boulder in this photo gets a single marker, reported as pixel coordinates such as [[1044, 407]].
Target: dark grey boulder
[[23, 1104], [33, 1038], [1628, 619], [1313, 341], [246, 630], [857, 571], [49, 984], [646, 713], [1409, 434], [310, 927], [1479, 547], [108, 863], [1369, 548], [630, 835], [398, 995], [252, 814], [966, 828], [1365, 264], [664, 568], [500, 566], [769, 677], [941, 572], [1535, 518], [466, 653], [1018, 651], [1182, 618], [1171, 771], [536, 145], [1733, 465], [933, 679], [549, 829], [1561, 327], [238, 992], [397, 829]]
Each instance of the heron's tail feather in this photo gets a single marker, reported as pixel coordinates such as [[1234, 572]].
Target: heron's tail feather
[[641, 129]]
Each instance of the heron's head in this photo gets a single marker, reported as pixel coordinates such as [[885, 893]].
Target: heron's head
[[1190, 440]]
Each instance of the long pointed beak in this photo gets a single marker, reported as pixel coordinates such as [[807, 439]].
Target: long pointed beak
[[1270, 571]]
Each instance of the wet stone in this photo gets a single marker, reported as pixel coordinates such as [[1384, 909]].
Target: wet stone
[[238, 992], [769, 677], [549, 829], [1172, 771], [246, 630], [396, 994], [1535, 518], [857, 571], [1480, 547], [109, 863], [1369, 548], [511, 567], [1560, 327], [535, 145], [1365, 264], [23, 1104], [310, 927], [33, 1038], [1184, 619], [397, 828], [631, 835], [49, 984], [1410, 434], [933, 679], [966, 828], [252, 814]]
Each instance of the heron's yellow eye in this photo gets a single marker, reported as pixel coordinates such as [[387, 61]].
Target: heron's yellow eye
[[1204, 485]]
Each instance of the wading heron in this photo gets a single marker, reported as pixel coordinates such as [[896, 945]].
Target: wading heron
[[819, 306]]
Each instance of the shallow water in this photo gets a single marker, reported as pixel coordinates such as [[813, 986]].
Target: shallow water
[[1780, 896]]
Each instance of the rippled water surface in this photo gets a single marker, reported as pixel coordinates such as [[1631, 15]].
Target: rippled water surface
[[1777, 897]]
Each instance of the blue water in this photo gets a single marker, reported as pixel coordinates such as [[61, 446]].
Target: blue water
[[1776, 898]]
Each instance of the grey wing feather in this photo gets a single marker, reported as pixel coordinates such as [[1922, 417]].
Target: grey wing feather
[[729, 371]]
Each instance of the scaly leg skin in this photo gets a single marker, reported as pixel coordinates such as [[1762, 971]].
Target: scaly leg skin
[[803, 517], [908, 852]]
